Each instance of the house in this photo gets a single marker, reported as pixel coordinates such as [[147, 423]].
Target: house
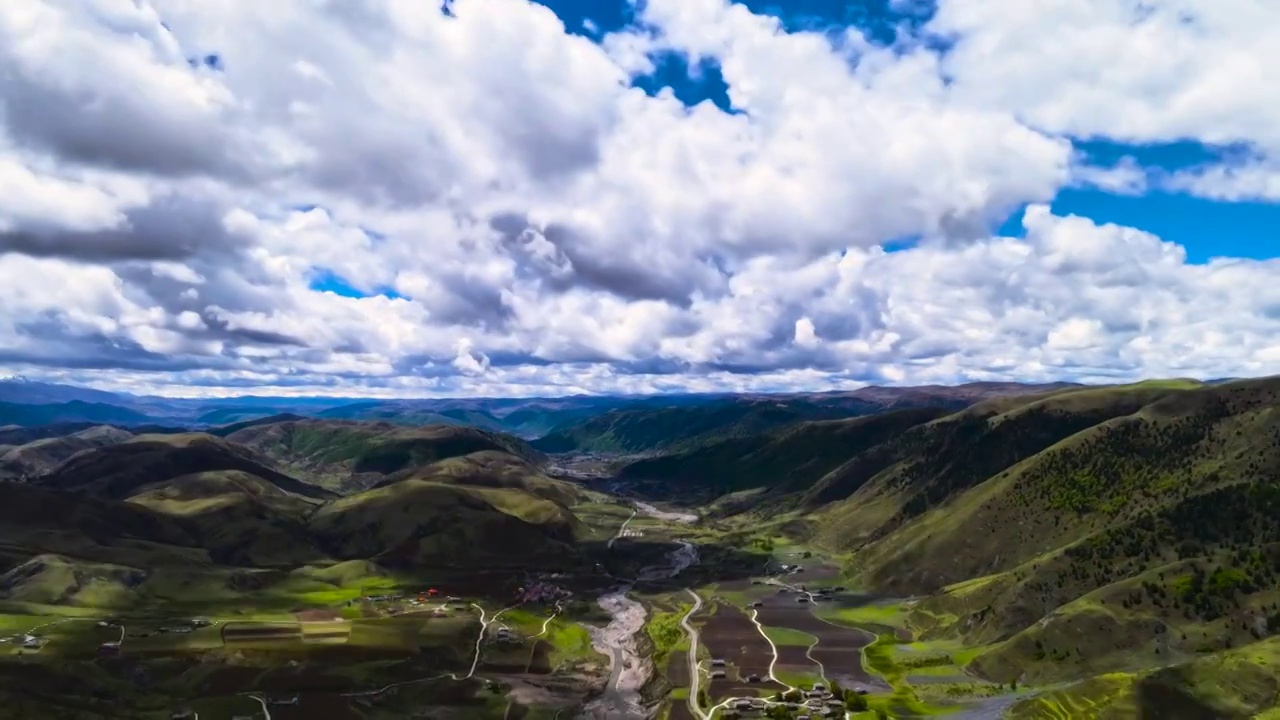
[[757, 604], [802, 599], [201, 622], [109, 648], [183, 714], [717, 662], [717, 674], [753, 678], [285, 701]]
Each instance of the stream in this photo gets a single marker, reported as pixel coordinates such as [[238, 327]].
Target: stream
[[628, 672]]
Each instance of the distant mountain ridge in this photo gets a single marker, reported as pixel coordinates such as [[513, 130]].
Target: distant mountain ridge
[[29, 403]]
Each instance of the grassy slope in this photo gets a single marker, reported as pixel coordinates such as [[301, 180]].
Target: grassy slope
[[415, 521], [43, 455], [339, 453], [240, 518], [204, 503], [1081, 533], [1146, 538], [491, 469], [786, 460], [645, 429], [120, 471]]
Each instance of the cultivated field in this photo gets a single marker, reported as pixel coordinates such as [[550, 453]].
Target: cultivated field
[[729, 634]]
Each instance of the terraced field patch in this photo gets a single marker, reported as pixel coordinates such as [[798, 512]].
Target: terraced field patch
[[730, 635], [839, 649]]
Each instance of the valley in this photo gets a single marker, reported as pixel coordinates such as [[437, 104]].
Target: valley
[[1104, 552]]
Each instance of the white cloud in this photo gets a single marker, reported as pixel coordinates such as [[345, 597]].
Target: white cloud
[[1130, 72], [525, 222], [1141, 72]]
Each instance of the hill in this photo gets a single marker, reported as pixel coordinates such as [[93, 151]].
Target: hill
[[1075, 536], [787, 460], [421, 523], [36, 520], [33, 392], [235, 427], [74, 411], [675, 428], [683, 425], [40, 456], [954, 397], [491, 469], [347, 455], [122, 470], [240, 518]]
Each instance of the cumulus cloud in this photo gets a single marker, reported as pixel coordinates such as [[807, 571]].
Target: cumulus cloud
[[1133, 72], [382, 198]]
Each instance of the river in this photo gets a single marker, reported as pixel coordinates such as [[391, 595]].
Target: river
[[628, 671]]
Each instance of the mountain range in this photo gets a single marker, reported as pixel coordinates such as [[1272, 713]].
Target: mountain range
[[1109, 542]]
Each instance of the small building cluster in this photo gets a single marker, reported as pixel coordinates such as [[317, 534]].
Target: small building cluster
[[504, 635], [541, 591]]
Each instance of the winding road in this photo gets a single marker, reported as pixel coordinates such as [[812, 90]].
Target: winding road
[[695, 673], [475, 662], [621, 528], [773, 649], [266, 713]]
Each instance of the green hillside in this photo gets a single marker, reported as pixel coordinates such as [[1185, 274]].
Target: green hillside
[[676, 428], [120, 471], [347, 455], [415, 522], [201, 501], [240, 518], [790, 459], [490, 469], [40, 456], [1075, 539]]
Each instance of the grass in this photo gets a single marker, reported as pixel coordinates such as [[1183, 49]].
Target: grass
[[1085, 700], [788, 636], [570, 642], [892, 615], [666, 633]]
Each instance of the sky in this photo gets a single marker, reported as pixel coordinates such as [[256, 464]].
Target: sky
[[404, 198]]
